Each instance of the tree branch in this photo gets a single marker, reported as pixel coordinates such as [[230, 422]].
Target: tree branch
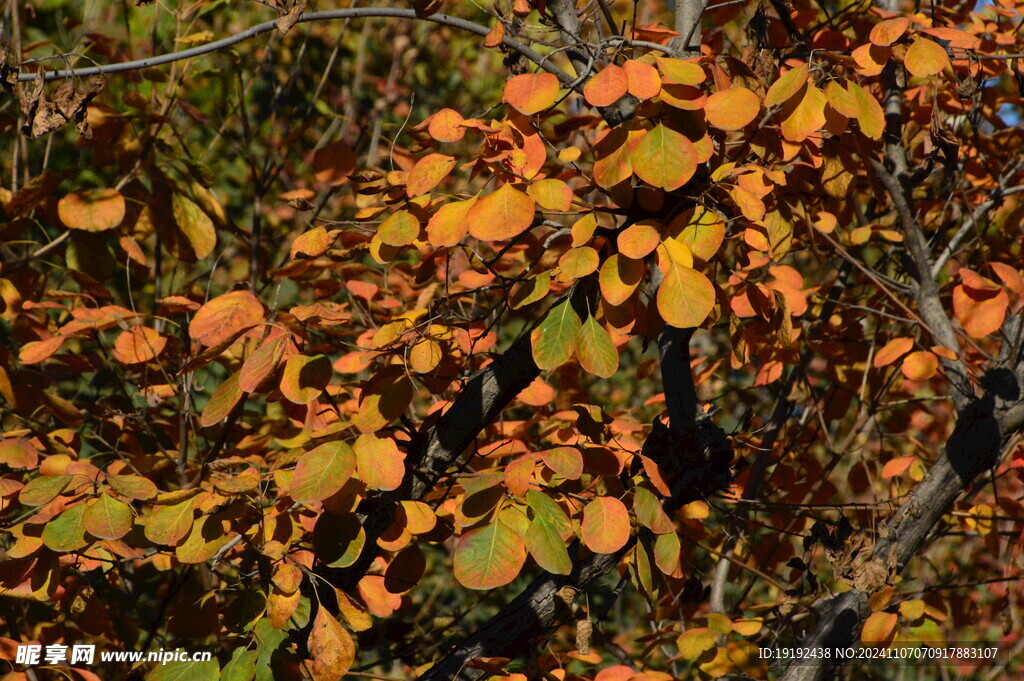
[[253, 31], [687, 24], [929, 302]]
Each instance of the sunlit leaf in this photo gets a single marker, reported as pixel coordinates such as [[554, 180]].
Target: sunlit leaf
[[489, 556], [224, 316], [732, 109], [322, 471], [605, 527], [553, 341], [428, 173], [502, 214], [107, 518], [606, 87], [664, 158], [595, 349], [531, 92]]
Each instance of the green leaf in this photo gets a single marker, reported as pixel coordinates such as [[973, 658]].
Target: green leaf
[[43, 490], [322, 472], [241, 666], [553, 341], [649, 512], [665, 158], [169, 524], [595, 349], [544, 535], [185, 671], [132, 486], [108, 518], [489, 556], [66, 532], [202, 543]]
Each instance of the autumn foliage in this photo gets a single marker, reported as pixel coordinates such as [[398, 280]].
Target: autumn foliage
[[320, 348]]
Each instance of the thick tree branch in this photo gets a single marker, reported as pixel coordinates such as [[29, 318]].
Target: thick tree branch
[[687, 24]]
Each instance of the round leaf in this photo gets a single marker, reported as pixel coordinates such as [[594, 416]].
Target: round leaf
[[92, 210], [489, 557], [322, 471], [605, 526], [531, 92]]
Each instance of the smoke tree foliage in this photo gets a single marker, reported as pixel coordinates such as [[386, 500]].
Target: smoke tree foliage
[[596, 340]]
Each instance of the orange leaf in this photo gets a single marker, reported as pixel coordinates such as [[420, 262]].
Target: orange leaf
[[223, 400], [531, 92], [892, 351], [787, 86], [401, 228], [887, 32], [427, 173], [495, 36], [701, 230], [502, 214], [566, 461], [920, 365], [333, 163], [925, 58], [664, 158], [879, 628], [642, 80], [261, 364], [732, 109], [605, 526], [612, 162], [445, 125], [448, 225], [578, 262], [92, 210], [224, 316], [322, 471], [137, 345], [313, 244], [841, 100], [981, 311], [34, 352], [330, 647], [380, 463], [607, 87], [639, 240], [897, 466]]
